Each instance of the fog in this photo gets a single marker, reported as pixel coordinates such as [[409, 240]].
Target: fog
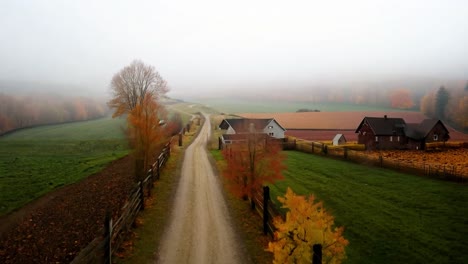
[[213, 47]]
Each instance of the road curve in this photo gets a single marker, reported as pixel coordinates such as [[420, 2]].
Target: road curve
[[200, 230]]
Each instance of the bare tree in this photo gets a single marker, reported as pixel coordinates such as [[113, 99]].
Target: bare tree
[[132, 83]]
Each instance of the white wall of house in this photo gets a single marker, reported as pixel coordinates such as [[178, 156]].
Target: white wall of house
[[274, 130], [230, 131]]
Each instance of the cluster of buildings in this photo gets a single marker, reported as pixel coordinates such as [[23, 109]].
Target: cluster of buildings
[[374, 132]]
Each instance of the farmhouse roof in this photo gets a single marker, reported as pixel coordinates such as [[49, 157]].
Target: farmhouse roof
[[420, 131], [242, 125], [384, 126]]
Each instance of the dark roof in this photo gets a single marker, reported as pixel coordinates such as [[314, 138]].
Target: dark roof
[[420, 131], [384, 126], [242, 125]]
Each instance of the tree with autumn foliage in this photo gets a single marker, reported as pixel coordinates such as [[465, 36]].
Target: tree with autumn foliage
[[307, 223], [131, 84], [144, 130], [401, 98], [136, 90], [252, 163]]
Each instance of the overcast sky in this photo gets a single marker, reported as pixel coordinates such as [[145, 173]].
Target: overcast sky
[[215, 44]]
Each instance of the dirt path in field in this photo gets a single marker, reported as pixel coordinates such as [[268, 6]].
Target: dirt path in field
[[200, 229]]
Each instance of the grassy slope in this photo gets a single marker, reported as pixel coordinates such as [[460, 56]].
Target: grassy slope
[[35, 161], [389, 217]]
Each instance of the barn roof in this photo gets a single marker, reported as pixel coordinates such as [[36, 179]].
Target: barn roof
[[384, 126], [420, 131], [242, 125]]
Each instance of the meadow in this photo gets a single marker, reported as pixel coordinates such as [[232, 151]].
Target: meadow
[[249, 106], [389, 217], [37, 160]]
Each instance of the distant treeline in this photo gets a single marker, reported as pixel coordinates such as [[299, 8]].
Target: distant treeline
[[20, 111], [447, 104]]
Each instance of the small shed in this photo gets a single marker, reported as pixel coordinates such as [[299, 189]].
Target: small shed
[[339, 139]]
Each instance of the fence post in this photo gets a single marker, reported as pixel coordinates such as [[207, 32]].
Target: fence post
[[180, 139], [313, 150], [317, 254], [142, 193], [108, 238], [157, 167], [345, 152], [266, 198]]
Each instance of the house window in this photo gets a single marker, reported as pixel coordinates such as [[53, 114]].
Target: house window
[[391, 138], [270, 127], [398, 138], [271, 134], [436, 137], [376, 139]]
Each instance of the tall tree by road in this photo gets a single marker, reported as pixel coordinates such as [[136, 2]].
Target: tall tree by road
[[130, 85], [252, 163], [442, 99], [136, 89]]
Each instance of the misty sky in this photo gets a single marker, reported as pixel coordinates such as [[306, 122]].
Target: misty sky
[[209, 44]]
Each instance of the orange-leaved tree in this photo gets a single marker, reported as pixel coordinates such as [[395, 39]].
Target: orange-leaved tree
[[307, 223], [136, 89], [251, 163], [401, 98], [144, 129]]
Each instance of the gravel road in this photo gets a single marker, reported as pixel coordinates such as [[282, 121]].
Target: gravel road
[[200, 229]]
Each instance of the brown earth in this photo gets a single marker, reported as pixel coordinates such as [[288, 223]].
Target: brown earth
[[455, 160], [55, 227]]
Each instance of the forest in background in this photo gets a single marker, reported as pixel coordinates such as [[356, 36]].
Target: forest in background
[[445, 100], [32, 109]]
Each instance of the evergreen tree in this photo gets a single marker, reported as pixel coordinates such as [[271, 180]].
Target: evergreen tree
[[442, 99]]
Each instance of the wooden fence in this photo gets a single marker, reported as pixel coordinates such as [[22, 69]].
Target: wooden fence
[[100, 250], [443, 172]]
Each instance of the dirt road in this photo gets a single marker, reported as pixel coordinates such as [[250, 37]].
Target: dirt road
[[200, 230]]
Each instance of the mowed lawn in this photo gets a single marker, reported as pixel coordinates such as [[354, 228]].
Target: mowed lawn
[[37, 160], [389, 217]]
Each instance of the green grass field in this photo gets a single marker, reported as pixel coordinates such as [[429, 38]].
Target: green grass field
[[238, 106], [389, 217], [37, 160]]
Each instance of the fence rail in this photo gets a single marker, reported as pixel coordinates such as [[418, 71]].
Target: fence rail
[[442, 172], [100, 250]]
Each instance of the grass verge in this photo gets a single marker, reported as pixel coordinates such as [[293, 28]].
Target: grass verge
[[248, 223], [389, 217], [142, 245]]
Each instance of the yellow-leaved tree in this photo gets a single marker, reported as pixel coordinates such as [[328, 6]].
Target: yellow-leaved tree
[[307, 223]]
